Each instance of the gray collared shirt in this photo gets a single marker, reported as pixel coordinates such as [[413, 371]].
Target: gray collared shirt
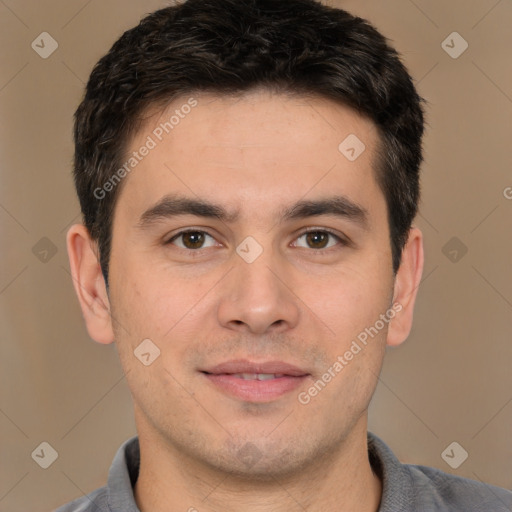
[[406, 487]]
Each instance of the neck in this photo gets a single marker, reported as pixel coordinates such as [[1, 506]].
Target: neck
[[341, 480]]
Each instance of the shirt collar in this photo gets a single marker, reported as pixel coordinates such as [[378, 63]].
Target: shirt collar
[[122, 477]]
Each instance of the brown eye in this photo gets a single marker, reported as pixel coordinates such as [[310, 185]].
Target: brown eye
[[319, 239], [190, 239]]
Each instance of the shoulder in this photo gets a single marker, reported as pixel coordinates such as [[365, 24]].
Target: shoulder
[[425, 489], [96, 501], [457, 493], [117, 495]]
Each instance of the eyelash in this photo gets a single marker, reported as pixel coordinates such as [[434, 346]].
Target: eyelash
[[341, 241]]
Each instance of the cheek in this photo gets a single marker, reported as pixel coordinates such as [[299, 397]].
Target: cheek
[[144, 297], [354, 300], [161, 306]]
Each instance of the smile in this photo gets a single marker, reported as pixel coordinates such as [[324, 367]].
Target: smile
[[256, 382], [257, 376]]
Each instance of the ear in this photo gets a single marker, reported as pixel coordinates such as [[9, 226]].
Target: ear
[[89, 284], [407, 281]]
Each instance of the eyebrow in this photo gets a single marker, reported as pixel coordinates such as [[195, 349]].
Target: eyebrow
[[175, 205]]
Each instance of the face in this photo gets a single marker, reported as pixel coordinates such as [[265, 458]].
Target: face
[[255, 299]]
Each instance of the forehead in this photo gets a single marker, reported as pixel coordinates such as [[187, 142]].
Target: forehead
[[255, 150]]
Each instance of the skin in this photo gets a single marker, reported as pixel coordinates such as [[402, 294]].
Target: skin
[[254, 154]]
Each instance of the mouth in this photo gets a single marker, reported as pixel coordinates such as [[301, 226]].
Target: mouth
[[256, 376], [255, 382]]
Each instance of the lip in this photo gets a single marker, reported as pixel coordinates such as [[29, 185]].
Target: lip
[[245, 366], [224, 378]]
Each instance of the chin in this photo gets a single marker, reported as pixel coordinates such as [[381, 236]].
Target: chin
[[262, 461]]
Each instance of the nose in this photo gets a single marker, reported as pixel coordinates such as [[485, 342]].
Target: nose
[[258, 297]]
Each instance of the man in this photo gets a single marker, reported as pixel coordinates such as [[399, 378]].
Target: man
[[248, 173]]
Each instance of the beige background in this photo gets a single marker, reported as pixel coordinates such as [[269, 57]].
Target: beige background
[[451, 381]]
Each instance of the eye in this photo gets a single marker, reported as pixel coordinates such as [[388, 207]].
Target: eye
[[194, 239], [319, 239], [191, 239]]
